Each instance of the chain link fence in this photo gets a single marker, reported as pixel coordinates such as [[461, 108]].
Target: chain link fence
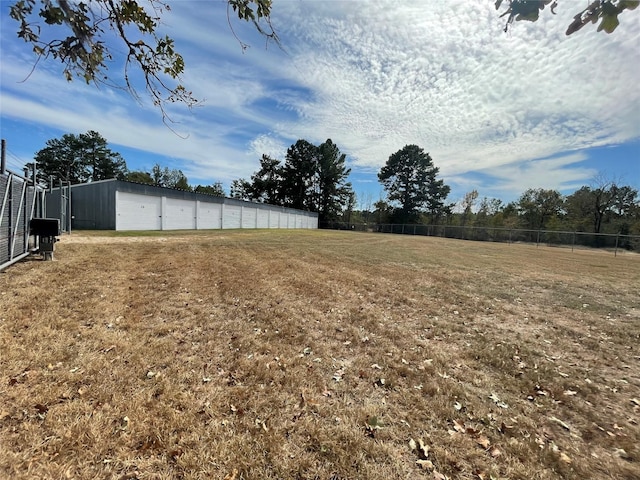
[[614, 242]]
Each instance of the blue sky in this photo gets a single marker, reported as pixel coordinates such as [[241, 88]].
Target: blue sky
[[498, 112]]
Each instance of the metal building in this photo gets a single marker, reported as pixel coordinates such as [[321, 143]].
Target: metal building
[[120, 205]]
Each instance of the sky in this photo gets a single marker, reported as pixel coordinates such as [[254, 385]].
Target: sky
[[497, 112]]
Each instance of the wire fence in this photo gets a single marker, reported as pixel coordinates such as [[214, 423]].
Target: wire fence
[[614, 242]]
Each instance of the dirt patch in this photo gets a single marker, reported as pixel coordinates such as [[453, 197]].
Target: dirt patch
[[315, 354]]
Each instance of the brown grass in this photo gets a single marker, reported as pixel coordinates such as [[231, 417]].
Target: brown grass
[[315, 354]]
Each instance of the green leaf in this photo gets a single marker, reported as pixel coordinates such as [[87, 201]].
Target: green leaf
[[609, 23]]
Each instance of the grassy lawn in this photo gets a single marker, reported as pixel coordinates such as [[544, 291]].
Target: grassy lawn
[[318, 354]]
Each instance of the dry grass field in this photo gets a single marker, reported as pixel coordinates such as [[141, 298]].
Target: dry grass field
[[318, 355]]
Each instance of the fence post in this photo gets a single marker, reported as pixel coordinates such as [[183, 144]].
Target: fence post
[[538, 240], [509, 237], [3, 158], [573, 242], [615, 252]]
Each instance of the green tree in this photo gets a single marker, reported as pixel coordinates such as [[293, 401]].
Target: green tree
[[103, 163], [298, 176], [266, 183], [333, 192], [241, 189], [537, 206], [314, 178], [139, 176], [409, 177], [214, 189], [605, 11], [174, 178], [79, 159], [599, 204], [76, 33]]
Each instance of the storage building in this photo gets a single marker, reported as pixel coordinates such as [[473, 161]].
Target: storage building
[[120, 205]]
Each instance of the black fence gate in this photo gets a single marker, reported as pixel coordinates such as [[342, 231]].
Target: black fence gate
[[21, 201]]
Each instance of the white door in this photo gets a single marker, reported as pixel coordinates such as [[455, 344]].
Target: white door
[[232, 216], [179, 214], [138, 212]]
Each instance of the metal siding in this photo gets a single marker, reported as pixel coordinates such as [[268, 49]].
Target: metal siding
[[249, 215], [263, 218], [138, 212], [274, 219], [179, 214], [4, 220], [93, 206], [231, 217], [209, 215]]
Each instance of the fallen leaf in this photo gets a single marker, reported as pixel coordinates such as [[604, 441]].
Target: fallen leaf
[[424, 449], [484, 442], [439, 476], [425, 464], [495, 452], [497, 401], [565, 458], [412, 444], [376, 366], [458, 426], [570, 393]]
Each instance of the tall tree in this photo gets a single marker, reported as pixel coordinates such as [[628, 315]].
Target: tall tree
[[241, 189], [537, 206], [409, 177], [333, 191], [298, 176], [596, 204], [76, 33], [101, 161], [266, 183], [467, 204], [80, 158]]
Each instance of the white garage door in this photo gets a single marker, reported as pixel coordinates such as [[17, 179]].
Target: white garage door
[[179, 214], [263, 219], [249, 217], [232, 215], [138, 212], [209, 215]]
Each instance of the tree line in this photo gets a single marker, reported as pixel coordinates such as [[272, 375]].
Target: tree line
[[606, 206], [315, 178]]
